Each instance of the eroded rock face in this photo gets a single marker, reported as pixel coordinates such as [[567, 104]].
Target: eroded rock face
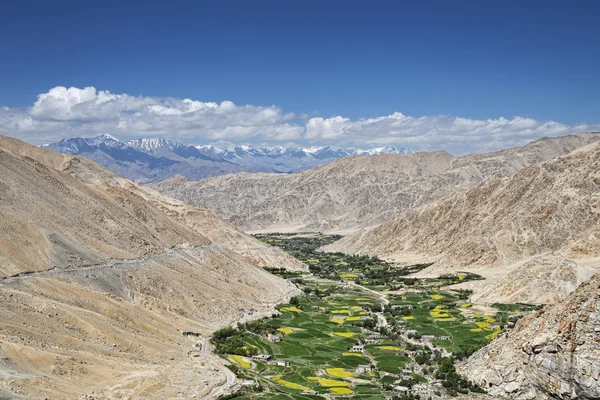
[[553, 353]]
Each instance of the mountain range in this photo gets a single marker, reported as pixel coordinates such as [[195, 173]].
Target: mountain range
[[152, 159], [357, 192]]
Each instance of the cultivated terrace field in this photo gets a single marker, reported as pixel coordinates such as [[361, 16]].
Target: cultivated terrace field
[[362, 330]]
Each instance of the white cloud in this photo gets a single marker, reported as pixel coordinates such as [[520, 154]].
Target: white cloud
[[63, 112], [455, 134], [328, 129]]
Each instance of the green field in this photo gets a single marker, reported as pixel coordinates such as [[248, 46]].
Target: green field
[[317, 349], [426, 328]]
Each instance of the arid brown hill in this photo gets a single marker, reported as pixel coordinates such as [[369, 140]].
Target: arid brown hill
[[548, 210], [100, 277], [552, 206]]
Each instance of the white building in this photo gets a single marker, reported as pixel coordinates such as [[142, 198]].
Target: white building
[[261, 357], [401, 389], [357, 348]]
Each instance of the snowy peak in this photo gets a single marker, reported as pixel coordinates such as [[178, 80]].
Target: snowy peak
[[106, 138], [387, 149], [150, 144], [79, 145], [313, 152], [313, 149]]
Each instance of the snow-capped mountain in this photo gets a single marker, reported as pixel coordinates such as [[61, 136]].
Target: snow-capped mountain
[[79, 145], [153, 144], [315, 152], [155, 159], [387, 149]]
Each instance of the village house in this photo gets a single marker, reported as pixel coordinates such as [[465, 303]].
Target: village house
[[404, 377], [357, 348], [261, 357], [274, 338], [401, 389], [407, 306], [364, 369], [280, 363]]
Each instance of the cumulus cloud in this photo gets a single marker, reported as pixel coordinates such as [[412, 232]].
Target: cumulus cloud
[[327, 129], [66, 112], [455, 134]]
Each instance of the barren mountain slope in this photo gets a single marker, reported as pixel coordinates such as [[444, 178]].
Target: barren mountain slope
[[515, 231], [98, 215], [552, 353], [101, 277], [552, 206], [358, 191], [544, 279]]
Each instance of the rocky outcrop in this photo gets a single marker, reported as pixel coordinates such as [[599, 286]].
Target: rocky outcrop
[[552, 353]]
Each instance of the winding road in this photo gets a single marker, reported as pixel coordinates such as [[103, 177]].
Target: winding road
[[216, 363]]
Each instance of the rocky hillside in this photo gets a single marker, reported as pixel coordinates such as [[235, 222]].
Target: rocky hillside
[[100, 278], [66, 211], [552, 353], [551, 206], [358, 191], [543, 279]]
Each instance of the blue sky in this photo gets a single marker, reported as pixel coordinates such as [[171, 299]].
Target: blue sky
[[476, 60]]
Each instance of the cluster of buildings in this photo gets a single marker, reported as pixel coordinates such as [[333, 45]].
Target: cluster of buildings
[[269, 359]]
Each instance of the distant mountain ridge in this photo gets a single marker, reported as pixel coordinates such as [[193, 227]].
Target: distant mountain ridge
[[357, 192], [156, 159]]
